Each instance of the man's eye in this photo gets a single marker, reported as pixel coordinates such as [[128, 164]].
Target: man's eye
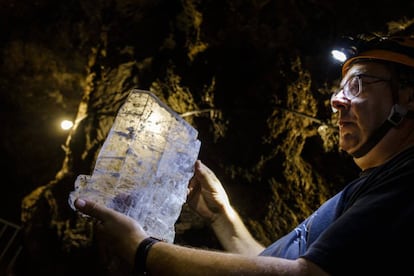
[[354, 86]]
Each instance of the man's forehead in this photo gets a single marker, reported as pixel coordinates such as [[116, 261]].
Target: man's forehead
[[366, 67]]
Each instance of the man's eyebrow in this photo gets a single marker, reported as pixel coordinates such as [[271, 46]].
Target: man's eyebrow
[[357, 72]]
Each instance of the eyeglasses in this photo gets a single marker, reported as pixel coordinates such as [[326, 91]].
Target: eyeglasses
[[353, 86]]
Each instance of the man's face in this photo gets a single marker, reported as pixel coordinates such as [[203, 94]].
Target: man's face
[[360, 115]]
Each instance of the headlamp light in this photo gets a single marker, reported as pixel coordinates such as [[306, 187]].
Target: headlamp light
[[345, 49]]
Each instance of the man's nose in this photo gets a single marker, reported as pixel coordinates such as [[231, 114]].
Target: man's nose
[[339, 101]]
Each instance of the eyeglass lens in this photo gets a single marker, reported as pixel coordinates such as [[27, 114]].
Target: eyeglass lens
[[350, 90]]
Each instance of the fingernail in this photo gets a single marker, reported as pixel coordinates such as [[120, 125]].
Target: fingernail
[[80, 203]]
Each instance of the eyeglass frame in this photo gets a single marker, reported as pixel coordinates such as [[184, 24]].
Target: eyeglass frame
[[346, 91]]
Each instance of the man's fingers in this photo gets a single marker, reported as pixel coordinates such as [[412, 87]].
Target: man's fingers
[[92, 209]]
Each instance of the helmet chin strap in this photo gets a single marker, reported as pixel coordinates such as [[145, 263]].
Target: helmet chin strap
[[396, 116]]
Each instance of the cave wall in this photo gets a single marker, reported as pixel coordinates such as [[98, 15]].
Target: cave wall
[[254, 78]]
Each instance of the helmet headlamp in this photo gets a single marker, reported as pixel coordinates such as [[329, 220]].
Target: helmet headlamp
[[398, 49]]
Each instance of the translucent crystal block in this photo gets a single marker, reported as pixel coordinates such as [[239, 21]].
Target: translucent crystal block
[[144, 166]]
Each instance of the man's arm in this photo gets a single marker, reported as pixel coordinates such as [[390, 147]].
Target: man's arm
[[208, 198], [124, 235], [233, 234], [169, 259]]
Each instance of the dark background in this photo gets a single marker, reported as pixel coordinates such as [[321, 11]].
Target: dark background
[[261, 68]]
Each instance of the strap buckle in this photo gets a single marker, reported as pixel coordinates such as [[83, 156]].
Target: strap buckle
[[397, 114]]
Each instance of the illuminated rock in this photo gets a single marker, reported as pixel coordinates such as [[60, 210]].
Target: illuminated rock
[[144, 165]]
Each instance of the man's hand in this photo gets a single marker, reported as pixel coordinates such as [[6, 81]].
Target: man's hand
[[121, 232], [206, 194], [208, 198]]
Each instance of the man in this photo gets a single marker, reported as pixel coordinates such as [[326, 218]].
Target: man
[[363, 230]]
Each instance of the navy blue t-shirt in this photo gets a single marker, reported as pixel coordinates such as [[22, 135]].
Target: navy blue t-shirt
[[363, 230]]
